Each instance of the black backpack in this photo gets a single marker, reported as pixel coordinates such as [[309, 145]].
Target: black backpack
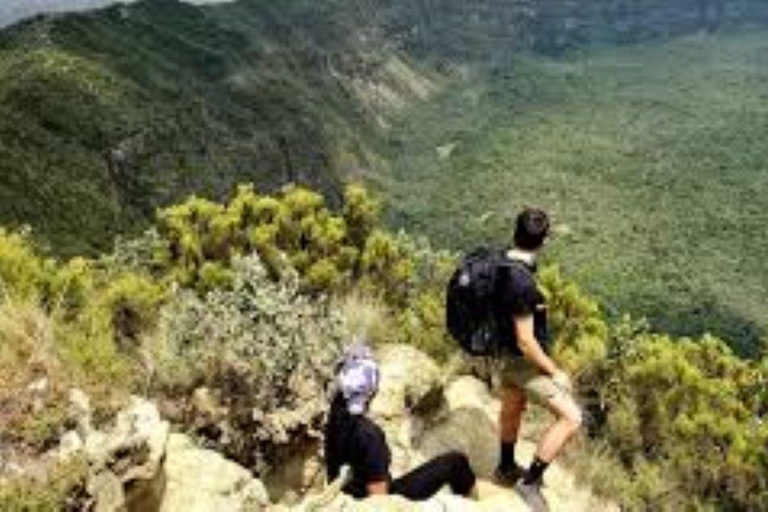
[[471, 302]]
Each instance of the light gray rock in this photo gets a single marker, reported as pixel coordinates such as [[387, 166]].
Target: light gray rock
[[410, 382], [411, 390], [70, 444], [80, 410], [199, 480], [468, 425], [107, 492], [492, 499], [134, 448], [125, 461]]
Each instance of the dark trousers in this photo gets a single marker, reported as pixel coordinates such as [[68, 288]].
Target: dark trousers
[[451, 469]]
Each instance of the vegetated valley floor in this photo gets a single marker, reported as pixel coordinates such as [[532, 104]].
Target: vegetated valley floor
[[651, 158]]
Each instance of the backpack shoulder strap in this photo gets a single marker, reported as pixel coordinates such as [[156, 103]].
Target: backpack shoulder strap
[[515, 262], [504, 267]]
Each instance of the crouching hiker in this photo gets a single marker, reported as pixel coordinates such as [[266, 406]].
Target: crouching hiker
[[353, 439], [496, 310]]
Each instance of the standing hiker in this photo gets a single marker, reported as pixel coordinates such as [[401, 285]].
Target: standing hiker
[[496, 310], [353, 439]]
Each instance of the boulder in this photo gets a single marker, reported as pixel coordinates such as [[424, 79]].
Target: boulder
[[424, 413], [80, 411], [491, 499], [468, 424], [107, 492], [199, 480], [126, 461], [411, 391], [411, 382]]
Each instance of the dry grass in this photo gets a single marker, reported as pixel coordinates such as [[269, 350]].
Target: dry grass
[[32, 383], [26, 346], [366, 317]]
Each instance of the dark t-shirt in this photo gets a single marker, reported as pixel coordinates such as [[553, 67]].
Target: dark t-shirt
[[358, 442], [520, 296]]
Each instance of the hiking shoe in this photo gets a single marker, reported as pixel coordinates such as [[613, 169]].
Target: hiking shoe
[[531, 494], [508, 477]]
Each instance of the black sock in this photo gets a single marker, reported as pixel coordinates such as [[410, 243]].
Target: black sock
[[507, 460], [536, 471]]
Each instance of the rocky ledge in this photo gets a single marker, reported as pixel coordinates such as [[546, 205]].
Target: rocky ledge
[[138, 464]]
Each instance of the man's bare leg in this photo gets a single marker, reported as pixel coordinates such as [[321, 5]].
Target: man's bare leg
[[568, 422], [513, 403]]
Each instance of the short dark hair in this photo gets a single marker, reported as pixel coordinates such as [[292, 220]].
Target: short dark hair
[[531, 228]]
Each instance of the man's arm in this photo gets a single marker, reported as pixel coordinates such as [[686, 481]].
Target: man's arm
[[529, 346], [376, 460]]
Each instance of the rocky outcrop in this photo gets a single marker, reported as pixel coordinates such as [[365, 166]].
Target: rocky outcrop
[[137, 465], [411, 393], [467, 424], [199, 480], [125, 462], [426, 411]]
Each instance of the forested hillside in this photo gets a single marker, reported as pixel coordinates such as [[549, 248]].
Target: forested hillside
[[202, 236], [12, 11], [639, 124], [231, 316], [650, 158], [105, 116]]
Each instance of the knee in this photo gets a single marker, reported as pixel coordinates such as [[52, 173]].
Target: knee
[[462, 478], [575, 419], [456, 459], [457, 463]]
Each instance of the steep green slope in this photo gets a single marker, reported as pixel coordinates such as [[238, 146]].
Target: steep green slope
[[106, 115], [652, 160]]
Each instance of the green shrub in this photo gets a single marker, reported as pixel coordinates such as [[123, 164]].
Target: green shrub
[[261, 345], [20, 268], [269, 326], [691, 408], [130, 303], [386, 268], [361, 213], [67, 288], [421, 320], [580, 332], [104, 346], [201, 238]]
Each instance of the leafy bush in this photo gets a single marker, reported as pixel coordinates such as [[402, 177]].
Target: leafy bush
[[293, 229], [103, 346], [691, 410], [20, 268], [579, 329], [421, 319], [261, 345], [676, 422], [79, 322]]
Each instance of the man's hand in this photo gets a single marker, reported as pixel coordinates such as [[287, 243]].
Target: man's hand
[[562, 380]]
